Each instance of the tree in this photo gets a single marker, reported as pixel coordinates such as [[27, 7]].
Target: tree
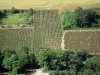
[[85, 17], [2, 14], [31, 11], [13, 10], [68, 19], [23, 56], [82, 56], [14, 61], [93, 63], [52, 60], [87, 72], [45, 57]]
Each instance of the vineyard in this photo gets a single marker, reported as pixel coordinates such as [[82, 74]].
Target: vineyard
[[77, 40], [14, 38], [46, 32]]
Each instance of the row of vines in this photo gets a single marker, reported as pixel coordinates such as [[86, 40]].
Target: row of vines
[[46, 32], [48, 28], [83, 40], [14, 38]]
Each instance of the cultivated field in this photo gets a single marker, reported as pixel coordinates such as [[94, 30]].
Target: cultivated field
[[45, 3], [14, 38], [77, 40], [46, 32]]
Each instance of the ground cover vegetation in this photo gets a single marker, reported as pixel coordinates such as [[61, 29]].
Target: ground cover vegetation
[[54, 62], [80, 18], [14, 61], [15, 16], [69, 63]]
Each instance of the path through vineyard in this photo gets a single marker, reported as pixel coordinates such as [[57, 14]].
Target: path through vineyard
[[63, 44]]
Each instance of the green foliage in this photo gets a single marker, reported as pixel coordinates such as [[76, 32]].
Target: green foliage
[[52, 60], [11, 62], [98, 12], [90, 72], [16, 16], [16, 19], [1, 58], [15, 61], [83, 18], [23, 55], [2, 15], [13, 10], [58, 62], [44, 58], [28, 18], [93, 63], [87, 72], [68, 19], [59, 73], [62, 60], [86, 17], [31, 11]]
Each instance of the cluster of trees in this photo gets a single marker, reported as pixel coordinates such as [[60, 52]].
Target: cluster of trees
[[13, 10], [69, 63], [56, 62], [15, 60], [80, 18]]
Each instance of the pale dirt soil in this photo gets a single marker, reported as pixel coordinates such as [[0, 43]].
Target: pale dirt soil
[[39, 72], [62, 44]]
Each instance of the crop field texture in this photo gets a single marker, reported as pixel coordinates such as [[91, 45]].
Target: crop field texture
[[46, 32], [15, 38], [77, 40], [45, 3]]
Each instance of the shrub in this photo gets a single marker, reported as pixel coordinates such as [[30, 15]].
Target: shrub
[[44, 58], [2, 14], [31, 11], [86, 17], [59, 73], [98, 12], [87, 72], [11, 63], [13, 10], [14, 61], [93, 63], [68, 19]]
